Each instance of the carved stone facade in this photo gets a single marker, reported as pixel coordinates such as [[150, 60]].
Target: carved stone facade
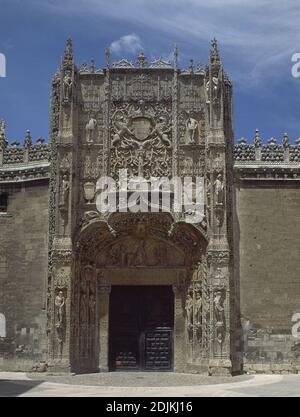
[[155, 120]]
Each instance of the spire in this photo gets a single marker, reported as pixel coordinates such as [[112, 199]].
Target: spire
[[192, 66], [285, 140], [68, 54], [107, 57], [141, 60], [92, 66], [257, 139], [3, 141], [214, 53], [175, 57], [27, 141]]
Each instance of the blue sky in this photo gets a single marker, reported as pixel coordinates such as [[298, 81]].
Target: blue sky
[[256, 39]]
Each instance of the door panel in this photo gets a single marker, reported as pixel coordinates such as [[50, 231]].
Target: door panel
[[141, 328]]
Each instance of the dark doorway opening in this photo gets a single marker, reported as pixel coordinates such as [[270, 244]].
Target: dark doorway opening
[[141, 321]]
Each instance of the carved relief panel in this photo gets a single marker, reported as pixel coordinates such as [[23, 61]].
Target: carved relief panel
[[140, 137], [91, 121]]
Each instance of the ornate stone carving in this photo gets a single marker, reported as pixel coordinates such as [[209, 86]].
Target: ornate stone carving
[[141, 140], [139, 252], [64, 193], [89, 191], [90, 129], [67, 86], [60, 317], [219, 316], [219, 190]]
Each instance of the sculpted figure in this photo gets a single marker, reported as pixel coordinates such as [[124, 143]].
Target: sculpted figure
[[160, 130], [218, 308], [60, 308], [90, 128], [65, 188], [122, 130], [189, 310], [215, 89], [198, 308], [68, 83], [191, 129], [219, 188]]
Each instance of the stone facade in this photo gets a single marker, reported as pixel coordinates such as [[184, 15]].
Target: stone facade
[[233, 274]]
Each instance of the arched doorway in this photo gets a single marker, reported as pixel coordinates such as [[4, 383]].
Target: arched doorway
[[134, 271]]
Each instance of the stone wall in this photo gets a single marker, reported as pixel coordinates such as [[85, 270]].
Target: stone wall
[[267, 236], [23, 273]]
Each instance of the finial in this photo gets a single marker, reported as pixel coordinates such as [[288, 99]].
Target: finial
[[192, 66], [285, 140], [68, 55], [27, 141], [199, 68], [175, 56], [2, 126], [92, 66], [214, 53], [40, 141], [3, 142], [257, 139], [107, 57], [141, 60], [84, 67]]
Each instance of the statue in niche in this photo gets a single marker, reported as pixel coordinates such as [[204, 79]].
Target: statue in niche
[[198, 314], [215, 89], [67, 83], [188, 166], [219, 313], [219, 189], [90, 129], [191, 130], [189, 310], [198, 308], [64, 193], [60, 307]]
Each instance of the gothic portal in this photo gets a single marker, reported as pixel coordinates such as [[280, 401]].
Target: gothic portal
[[139, 290]]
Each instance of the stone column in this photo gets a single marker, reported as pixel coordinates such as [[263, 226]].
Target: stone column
[[179, 331], [103, 314], [59, 310]]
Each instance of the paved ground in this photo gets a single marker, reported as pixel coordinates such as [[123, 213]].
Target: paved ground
[[17, 384]]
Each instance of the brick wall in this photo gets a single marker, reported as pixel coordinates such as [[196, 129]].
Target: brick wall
[[267, 237], [23, 273]]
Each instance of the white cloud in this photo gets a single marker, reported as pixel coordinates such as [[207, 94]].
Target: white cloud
[[257, 36], [127, 43]]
